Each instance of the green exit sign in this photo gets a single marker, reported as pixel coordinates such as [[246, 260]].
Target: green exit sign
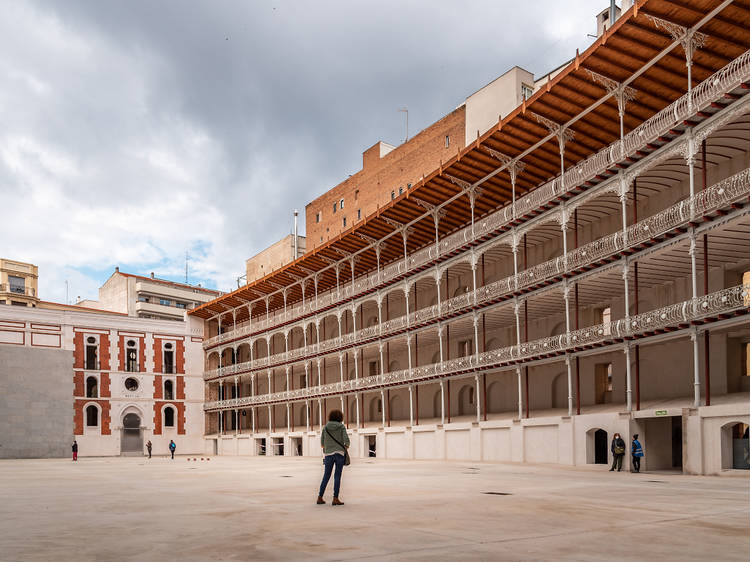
[[661, 412]]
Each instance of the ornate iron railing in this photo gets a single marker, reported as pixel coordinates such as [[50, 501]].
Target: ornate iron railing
[[719, 195], [721, 302], [726, 79]]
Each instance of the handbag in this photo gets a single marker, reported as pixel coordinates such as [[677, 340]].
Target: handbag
[[347, 459]]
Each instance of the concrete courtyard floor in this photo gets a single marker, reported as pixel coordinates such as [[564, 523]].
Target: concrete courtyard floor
[[256, 508]]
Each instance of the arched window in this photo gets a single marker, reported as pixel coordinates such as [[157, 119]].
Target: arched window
[[168, 390], [92, 348], [131, 357], [92, 416], [91, 390], [168, 416], [168, 364]]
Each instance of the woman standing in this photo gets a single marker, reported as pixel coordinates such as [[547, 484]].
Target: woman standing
[[334, 441], [618, 451]]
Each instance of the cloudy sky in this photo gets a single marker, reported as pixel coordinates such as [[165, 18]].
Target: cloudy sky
[[132, 132]]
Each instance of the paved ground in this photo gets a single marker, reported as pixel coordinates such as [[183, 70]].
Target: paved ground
[[263, 509]]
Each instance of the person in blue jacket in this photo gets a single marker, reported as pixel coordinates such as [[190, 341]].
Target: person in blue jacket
[[637, 451], [172, 447]]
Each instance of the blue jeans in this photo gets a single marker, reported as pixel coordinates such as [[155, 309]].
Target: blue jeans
[[329, 462]]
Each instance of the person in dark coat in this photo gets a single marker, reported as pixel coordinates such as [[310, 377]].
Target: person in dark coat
[[618, 452], [148, 447], [334, 441], [637, 451], [75, 450], [172, 447]]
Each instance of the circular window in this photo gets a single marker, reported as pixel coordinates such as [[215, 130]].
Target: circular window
[[131, 343], [167, 346], [131, 384], [91, 339]]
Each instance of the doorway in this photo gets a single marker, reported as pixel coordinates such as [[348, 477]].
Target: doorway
[[132, 438], [371, 442], [278, 445], [260, 446], [296, 446], [662, 443]]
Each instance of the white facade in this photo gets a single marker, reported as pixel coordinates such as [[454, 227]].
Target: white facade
[[106, 370]]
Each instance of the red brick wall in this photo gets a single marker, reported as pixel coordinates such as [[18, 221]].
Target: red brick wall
[[158, 351], [180, 418], [158, 388], [79, 417], [180, 358], [79, 388], [142, 354], [157, 417], [104, 386], [179, 415], [104, 352], [403, 165], [79, 351], [180, 388]]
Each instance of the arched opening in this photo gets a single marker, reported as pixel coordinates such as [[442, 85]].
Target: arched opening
[[735, 446], [560, 391], [376, 409], [168, 366], [169, 416], [131, 357], [436, 404], [132, 440], [92, 416], [397, 410], [597, 451], [92, 349], [168, 390], [91, 388], [466, 402]]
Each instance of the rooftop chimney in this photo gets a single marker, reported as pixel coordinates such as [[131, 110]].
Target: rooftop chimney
[[152, 275], [117, 269]]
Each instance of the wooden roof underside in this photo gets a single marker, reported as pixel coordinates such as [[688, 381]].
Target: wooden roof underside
[[634, 41]]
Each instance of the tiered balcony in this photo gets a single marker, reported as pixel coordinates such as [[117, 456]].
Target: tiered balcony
[[715, 201], [666, 322], [666, 127]]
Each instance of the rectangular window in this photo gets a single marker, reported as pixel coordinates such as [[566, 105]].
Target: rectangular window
[[317, 216], [359, 214], [334, 207], [141, 298], [180, 305], [341, 204], [526, 91], [356, 194], [344, 222], [603, 383], [17, 284], [447, 141], [393, 194], [373, 368], [465, 348], [400, 190], [164, 302]]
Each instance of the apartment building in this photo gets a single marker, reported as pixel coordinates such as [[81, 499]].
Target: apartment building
[[18, 283], [150, 297], [580, 269]]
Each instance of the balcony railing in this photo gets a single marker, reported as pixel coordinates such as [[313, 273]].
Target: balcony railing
[[716, 197], [722, 302], [726, 79]]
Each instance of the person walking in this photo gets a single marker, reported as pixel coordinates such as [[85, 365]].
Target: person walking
[[75, 450], [618, 451], [172, 447], [148, 447], [637, 451], [334, 441]]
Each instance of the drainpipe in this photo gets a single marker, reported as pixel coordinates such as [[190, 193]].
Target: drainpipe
[[296, 254]]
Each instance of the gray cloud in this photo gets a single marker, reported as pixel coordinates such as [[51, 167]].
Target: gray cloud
[[134, 130]]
